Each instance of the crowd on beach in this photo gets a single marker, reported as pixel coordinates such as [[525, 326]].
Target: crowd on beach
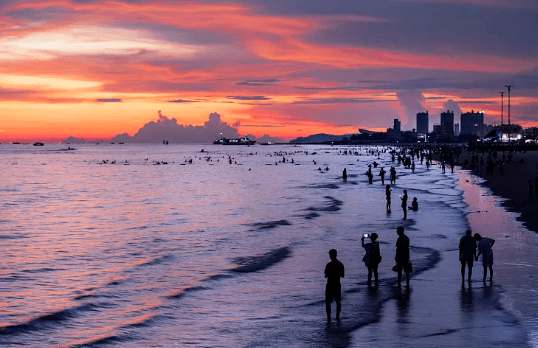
[[468, 244]]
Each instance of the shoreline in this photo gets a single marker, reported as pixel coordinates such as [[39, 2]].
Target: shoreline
[[515, 257], [510, 181]]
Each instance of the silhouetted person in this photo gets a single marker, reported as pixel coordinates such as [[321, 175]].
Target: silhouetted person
[[333, 272], [344, 174], [382, 175], [372, 257], [402, 255], [413, 167], [387, 193], [392, 175], [484, 248], [467, 249], [404, 204], [414, 204], [369, 174]]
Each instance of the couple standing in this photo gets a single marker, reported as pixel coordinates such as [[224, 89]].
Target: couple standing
[[467, 248], [373, 256]]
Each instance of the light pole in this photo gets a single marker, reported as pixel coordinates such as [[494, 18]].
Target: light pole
[[508, 86], [502, 106]]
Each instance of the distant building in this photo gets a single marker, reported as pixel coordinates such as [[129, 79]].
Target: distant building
[[397, 125], [438, 129], [472, 122], [422, 122], [447, 124], [395, 132]]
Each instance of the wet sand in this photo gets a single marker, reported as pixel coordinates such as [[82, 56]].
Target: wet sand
[[438, 310], [513, 185]]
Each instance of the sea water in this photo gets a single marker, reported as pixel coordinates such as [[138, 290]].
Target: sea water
[[225, 246]]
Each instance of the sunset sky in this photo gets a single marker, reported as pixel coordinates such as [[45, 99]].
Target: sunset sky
[[286, 68]]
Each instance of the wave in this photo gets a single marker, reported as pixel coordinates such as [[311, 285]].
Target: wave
[[258, 263], [103, 341], [186, 291], [270, 224], [157, 260], [332, 206], [46, 320]]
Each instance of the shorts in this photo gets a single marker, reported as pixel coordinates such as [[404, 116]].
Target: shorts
[[333, 292], [468, 261]]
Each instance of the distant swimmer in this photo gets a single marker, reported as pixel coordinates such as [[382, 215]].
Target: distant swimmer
[[344, 174], [334, 270]]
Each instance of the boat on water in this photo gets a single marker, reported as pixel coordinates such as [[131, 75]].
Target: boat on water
[[39, 144], [236, 141]]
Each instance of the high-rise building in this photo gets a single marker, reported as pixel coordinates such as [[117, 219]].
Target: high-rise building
[[472, 122], [422, 122], [447, 124], [397, 126]]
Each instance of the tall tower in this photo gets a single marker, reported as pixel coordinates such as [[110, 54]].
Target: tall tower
[[447, 123], [422, 122], [397, 126], [508, 86]]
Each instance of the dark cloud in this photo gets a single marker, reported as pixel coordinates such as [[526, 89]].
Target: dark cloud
[[53, 13], [248, 98], [340, 100], [109, 100], [257, 83], [438, 28], [183, 101], [168, 129]]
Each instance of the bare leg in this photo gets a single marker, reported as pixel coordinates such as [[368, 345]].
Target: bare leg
[[470, 272], [338, 309], [369, 275], [328, 310], [490, 273], [462, 272], [375, 274], [485, 273], [407, 278], [399, 277]]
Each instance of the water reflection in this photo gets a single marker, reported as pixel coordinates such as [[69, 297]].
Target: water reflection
[[403, 298]]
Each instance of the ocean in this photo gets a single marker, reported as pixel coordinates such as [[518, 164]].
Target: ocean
[[224, 246]]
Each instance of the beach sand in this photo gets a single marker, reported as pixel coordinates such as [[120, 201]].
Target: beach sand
[[513, 185]]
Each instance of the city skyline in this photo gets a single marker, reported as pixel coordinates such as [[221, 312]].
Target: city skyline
[[96, 69]]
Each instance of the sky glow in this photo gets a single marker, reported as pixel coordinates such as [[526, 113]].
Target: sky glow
[[94, 69]]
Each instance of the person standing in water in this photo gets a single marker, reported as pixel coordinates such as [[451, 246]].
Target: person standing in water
[[402, 255], [382, 175], [404, 204], [484, 248], [334, 270], [372, 257], [467, 249], [387, 193]]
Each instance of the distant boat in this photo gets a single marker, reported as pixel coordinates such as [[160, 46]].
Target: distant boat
[[39, 144], [237, 141]]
